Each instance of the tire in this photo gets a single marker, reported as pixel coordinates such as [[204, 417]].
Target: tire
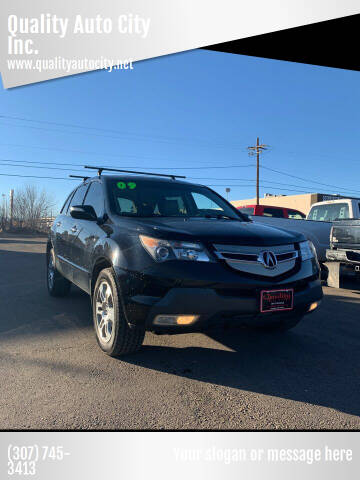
[[57, 285], [282, 326], [113, 333]]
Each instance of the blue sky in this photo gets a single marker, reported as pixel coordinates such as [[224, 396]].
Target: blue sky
[[188, 113]]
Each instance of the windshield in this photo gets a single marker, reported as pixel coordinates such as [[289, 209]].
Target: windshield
[[138, 198]]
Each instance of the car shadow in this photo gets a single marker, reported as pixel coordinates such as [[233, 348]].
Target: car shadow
[[311, 364]]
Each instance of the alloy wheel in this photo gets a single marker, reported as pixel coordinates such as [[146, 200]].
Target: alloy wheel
[[105, 313]]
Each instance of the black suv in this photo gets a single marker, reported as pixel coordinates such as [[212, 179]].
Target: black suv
[[165, 255]]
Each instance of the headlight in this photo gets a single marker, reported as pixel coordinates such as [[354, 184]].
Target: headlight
[[162, 250], [307, 250]]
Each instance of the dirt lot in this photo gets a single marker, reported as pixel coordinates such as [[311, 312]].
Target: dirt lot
[[54, 376]]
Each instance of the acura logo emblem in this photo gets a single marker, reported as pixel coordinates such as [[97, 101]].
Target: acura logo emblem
[[268, 259]]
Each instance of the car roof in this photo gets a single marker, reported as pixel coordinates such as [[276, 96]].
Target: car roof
[[271, 206], [330, 202]]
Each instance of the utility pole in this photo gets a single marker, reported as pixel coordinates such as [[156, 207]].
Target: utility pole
[[227, 193], [252, 150]]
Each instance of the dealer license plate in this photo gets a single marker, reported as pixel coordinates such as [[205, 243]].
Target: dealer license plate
[[276, 300]]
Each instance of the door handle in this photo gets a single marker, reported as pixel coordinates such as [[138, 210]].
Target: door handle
[[74, 229], [58, 224]]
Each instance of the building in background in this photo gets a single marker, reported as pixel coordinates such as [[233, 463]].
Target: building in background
[[301, 202]]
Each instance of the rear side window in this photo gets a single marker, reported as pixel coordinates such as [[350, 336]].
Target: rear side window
[[329, 212], [95, 198], [273, 212], [78, 197], [247, 210], [295, 215]]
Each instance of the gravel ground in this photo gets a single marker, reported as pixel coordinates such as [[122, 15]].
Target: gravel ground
[[54, 376]]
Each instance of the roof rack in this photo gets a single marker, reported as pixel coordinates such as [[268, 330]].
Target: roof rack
[[102, 169], [79, 176]]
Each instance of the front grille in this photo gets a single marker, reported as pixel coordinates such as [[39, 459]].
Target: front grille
[[253, 260], [241, 257]]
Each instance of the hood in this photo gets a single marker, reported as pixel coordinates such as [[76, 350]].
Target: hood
[[209, 230]]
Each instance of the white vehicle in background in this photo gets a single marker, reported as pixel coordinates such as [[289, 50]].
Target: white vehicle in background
[[318, 222], [332, 210]]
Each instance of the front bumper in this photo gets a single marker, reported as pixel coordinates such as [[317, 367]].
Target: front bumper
[[217, 295], [214, 308], [343, 256]]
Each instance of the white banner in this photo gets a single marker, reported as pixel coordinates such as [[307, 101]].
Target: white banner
[[208, 456], [42, 40]]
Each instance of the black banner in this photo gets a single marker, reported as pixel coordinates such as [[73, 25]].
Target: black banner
[[333, 43]]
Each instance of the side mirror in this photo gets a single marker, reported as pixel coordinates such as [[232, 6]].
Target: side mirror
[[83, 212]]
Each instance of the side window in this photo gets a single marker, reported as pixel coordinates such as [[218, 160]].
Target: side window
[[78, 197], [273, 212], [95, 198], [205, 203]]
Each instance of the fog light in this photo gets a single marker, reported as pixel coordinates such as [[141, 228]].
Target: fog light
[[175, 319], [186, 319], [313, 306]]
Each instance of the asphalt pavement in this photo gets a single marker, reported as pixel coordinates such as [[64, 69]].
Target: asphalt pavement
[[54, 376]]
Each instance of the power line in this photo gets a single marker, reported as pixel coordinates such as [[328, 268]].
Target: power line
[[119, 134], [34, 176], [269, 181], [73, 133], [37, 166], [257, 149], [39, 162], [210, 185], [262, 186], [304, 154], [97, 154], [18, 164], [143, 157], [300, 178], [132, 166]]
